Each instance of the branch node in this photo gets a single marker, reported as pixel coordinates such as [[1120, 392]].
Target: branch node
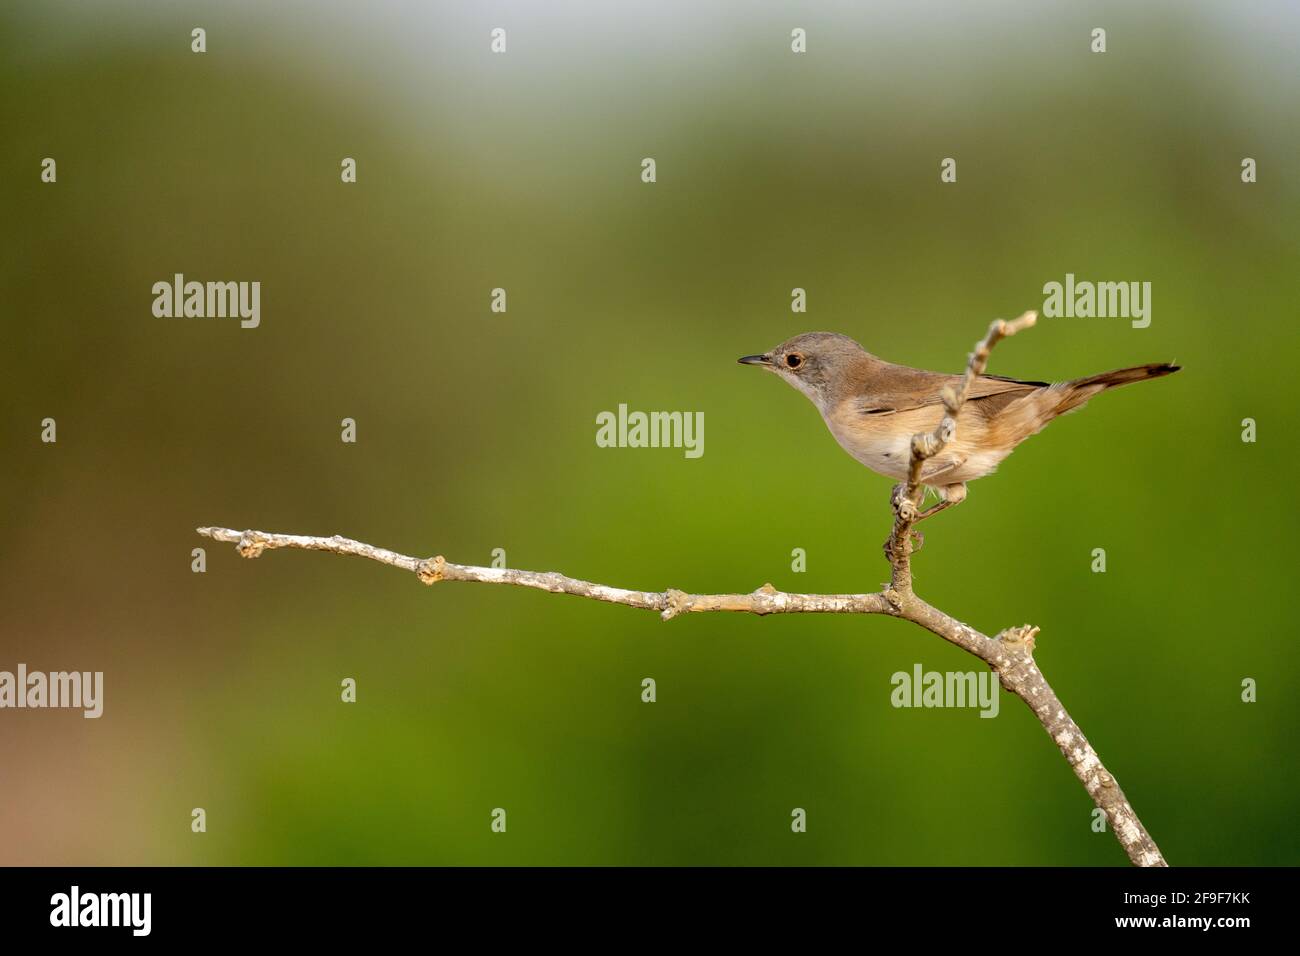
[[432, 570], [904, 506], [1019, 637], [251, 545], [675, 602], [946, 432]]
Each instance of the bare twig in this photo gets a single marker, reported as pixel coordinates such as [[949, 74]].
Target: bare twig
[[670, 603], [906, 498], [1009, 653]]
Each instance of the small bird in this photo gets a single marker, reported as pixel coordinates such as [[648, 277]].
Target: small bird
[[874, 407]]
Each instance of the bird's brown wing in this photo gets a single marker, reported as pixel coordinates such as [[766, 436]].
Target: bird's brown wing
[[899, 388]]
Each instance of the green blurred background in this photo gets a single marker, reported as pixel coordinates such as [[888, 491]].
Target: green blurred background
[[476, 430]]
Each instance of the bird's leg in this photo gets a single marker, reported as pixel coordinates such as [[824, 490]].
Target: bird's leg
[[933, 510], [918, 540], [949, 495]]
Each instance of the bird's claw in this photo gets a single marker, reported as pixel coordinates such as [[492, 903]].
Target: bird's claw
[[918, 542]]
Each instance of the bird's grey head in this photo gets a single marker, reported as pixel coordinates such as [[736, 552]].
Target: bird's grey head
[[819, 364]]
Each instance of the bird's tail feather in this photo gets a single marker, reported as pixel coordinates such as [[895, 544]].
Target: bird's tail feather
[[1122, 376], [1082, 389]]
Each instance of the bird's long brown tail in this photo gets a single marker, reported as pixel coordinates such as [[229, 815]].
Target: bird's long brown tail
[[1082, 389]]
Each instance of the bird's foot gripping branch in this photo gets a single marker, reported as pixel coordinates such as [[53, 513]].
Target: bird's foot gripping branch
[[1010, 653]]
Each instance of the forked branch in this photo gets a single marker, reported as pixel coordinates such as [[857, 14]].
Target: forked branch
[[1009, 653]]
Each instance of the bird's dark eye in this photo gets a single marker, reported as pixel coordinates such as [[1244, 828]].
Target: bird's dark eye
[[793, 360]]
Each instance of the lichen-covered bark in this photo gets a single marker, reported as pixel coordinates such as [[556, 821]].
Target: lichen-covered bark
[[1011, 656], [669, 603]]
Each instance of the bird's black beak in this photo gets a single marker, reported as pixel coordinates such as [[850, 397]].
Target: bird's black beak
[[755, 360]]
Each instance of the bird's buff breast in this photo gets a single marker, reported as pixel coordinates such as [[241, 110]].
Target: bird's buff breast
[[884, 442]]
